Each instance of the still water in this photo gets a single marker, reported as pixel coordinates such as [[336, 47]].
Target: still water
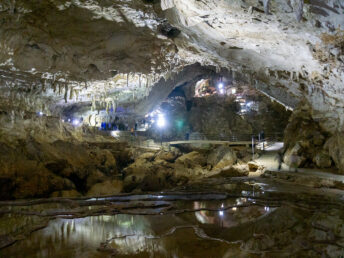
[[204, 233]]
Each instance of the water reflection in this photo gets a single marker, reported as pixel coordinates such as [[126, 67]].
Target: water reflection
[[227, 215], [141, 235]]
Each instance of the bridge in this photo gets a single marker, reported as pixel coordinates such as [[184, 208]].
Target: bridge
[[211, 142], [144, 140]]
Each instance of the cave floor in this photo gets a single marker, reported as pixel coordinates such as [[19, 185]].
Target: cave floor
[[213, 217]]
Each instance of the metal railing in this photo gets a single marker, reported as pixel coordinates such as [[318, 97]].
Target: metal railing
[[145, 139]]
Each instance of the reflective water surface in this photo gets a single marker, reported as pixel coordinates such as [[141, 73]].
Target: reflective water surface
[[245, 222]]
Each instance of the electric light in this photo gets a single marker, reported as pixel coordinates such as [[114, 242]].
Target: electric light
[[76, 122], [161, 121], [114, 134], [221, 213], [40, 113], [220, 85], [222, 91], [233, 91]]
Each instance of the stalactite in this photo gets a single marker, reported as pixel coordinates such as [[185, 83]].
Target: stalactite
[[77, 95], [93, 106], [299, 10], [54, 84], [266, 6], [267, 72], [291, 75], [66, 92], [71, 93], [107, 107], [276, 75], [139, 80], [127, 80], [43, 85]]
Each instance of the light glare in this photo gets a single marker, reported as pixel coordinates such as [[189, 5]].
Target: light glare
[[161, 120], [76, 122]]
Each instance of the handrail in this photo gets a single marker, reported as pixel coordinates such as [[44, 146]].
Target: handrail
[[137, 136]]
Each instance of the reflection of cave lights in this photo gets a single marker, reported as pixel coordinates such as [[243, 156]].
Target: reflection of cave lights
[[200, 217], [234, 208]]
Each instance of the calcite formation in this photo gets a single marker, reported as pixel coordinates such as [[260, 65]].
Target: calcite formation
[[86, 58]]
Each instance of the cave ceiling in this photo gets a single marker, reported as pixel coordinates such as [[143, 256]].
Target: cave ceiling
[[58, 52]]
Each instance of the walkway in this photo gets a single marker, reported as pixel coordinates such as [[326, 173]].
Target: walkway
[[232, 143], [268, 159]]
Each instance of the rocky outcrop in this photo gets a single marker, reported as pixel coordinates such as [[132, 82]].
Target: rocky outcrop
[[221, 157], [305, 141], [192, 160], [109, 187], [334, 145], [216, 116], [38, 159]]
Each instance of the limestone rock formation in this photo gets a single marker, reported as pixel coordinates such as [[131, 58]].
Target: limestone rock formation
[[109, 187], [305, 138], [221, 157]]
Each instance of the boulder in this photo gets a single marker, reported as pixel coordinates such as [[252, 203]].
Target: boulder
[[252, 166], [140, 166], [296, 150], [108, 187], [94, 177], [158, 178], [322, 160], [169, 156], [221, 157], [192, 160], [231, 171], [66, 194], [147, 156]]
